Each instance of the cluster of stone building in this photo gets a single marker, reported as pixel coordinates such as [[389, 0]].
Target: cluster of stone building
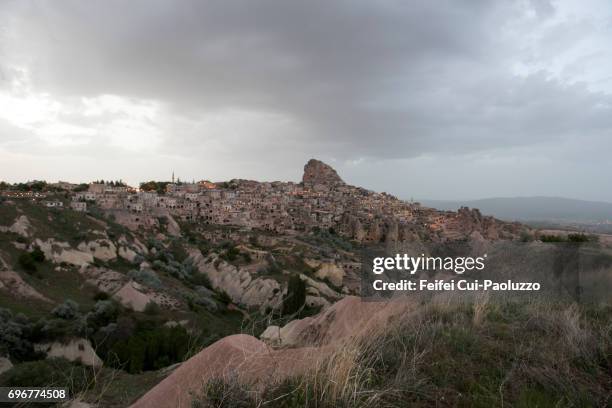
[[321, 201], [23, 194], [275, 206]]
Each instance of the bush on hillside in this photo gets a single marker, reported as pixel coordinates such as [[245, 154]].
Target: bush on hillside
[[16, 335], [38, 255], [103, 313], [200, 279], [143, 346], [224, 297], [68, 310], [146, 277], [573, 238], [55, 372], [54, 329], [27, 263], [101, 296], [581, 238], [152, 309]]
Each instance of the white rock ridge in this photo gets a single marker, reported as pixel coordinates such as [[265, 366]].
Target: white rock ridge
[[75, 350], [102, 249], [15, 285], [237, 282], [59, 252], [21, 226]]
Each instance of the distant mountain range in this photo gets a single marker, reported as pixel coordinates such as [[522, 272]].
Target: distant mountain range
[[552, 209]]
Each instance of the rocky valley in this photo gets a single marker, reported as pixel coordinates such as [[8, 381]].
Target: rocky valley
[[135, 291]]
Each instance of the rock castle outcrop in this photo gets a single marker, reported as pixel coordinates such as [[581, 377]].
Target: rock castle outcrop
[[318, 175]]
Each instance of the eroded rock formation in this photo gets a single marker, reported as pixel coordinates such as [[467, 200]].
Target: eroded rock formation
[[318, 175]]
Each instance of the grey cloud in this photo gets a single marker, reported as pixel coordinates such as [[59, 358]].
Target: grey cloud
[[318, 63]]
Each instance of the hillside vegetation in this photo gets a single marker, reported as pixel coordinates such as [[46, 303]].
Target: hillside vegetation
[[453, 352], [141, 300]]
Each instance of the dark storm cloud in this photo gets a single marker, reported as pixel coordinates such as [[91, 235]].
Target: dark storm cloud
[[345, 79], [385, 79]]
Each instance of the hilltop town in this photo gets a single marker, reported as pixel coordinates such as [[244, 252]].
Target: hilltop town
[[321, 200]]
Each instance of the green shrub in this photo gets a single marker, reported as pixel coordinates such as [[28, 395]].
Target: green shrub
[[552, 238], [21, 240], [101, 296], [17, 335], [152, 309], [230, 254], [573, 238], [27, 263], [578, 238], [53, 329], [224, 297], [146, 277], [55, 372], [145, 346], [200, 279], [103, 313], [38, 255], [67, 310]]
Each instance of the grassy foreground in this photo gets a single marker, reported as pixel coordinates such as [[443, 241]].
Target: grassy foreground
[[454, 352]]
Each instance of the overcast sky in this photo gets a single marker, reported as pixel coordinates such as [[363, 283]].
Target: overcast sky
[[430, 99]]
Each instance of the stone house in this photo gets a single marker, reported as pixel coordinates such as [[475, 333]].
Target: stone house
[[80, 206]]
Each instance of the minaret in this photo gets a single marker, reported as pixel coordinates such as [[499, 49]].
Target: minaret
[[172, 176]]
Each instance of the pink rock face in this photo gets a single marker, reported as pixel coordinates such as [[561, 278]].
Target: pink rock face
[[311, 342], [241, 356], [318, 173]]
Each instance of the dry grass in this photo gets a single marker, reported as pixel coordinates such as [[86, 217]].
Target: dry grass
[[480, 307]]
